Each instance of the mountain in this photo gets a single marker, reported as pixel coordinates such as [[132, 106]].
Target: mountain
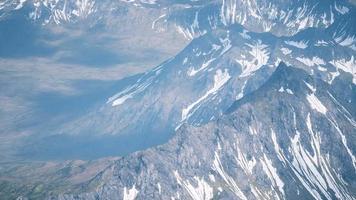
[[259, 104], [289, 139], [202, 81]]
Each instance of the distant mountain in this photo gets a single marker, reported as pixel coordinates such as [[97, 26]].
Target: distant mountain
[[192, 17]]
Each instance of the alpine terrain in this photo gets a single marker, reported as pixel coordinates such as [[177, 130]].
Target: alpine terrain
[[180, 99]]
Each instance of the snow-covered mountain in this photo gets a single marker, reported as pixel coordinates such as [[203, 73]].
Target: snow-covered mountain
[[290, 139], [259, 104], [217, 68]]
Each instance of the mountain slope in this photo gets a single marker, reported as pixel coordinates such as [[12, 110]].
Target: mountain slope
[[290, 139], [212, 72]]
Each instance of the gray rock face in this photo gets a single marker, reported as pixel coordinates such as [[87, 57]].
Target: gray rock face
[[290, 139]]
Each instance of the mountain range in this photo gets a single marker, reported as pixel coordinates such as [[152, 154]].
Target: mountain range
[[258, 104]]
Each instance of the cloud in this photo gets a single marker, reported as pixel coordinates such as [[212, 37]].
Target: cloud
[[43, 75], [23, 80]]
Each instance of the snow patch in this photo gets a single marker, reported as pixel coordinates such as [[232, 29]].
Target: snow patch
[[316, 104], [344, 142], [315, 61], [246, 165], [203, 191], [348, 66], [128, 93], [193, 71], [245, 35], [159, 188], [242, 91], [320, 43], [281, 89], [230, 182], [272, 174], [260, 54], [130, 194], [289, 91], [277, 148], [341, 9], [299, 44], [311, 88], [220, 78], [20, 4], [286, 51]]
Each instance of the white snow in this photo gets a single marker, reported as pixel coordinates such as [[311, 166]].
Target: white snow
[[84, 8], [344, 142], [333, 76], [289, 91], [316, 104], [277, 148], [298, 44], [260, 54], [193, 71], [281, 89], [347, 41], [156, 20], [315, 61], [257, 193], [313, 171], [220, 78], [186, 33], [321, 43], [228, 12], [246, 165], [121, 100], [252, 130], [226, 43], [307, 167], [272, 174], [130, 194], [212, 177], [20, 4], [315, 140], [241, 93], [312, 88], [306, 170], [230, 182], [286, 51], [348, 66], [159, 188], [341, 9], [322, 69], [139, 86], [245, 35], [203, 191]]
